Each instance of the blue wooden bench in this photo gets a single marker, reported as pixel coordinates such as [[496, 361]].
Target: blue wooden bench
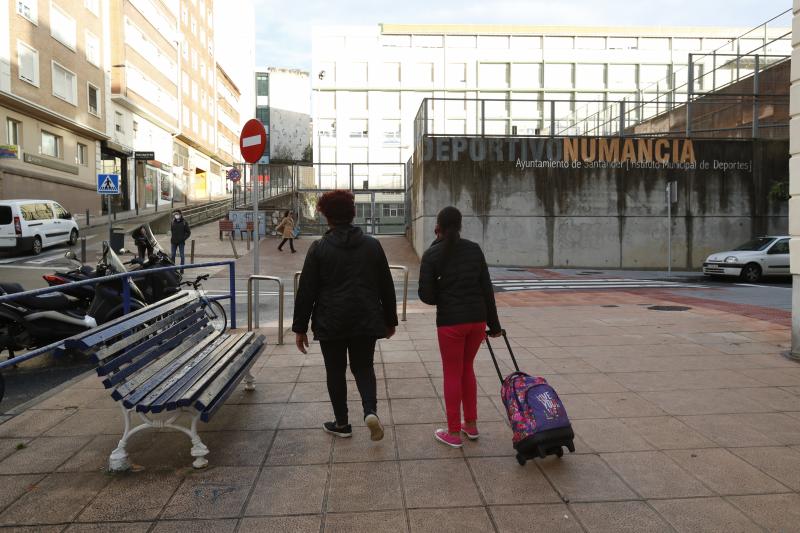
[[167, 358]]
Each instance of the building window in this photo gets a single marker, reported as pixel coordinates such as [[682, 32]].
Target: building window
[[13, 131], [92, 49], [28, 61], [391, 132], [394, 210], [185, 82], [327, 127], [94, 100], [82, 154], [262, 84], [93, 6], [195, 91], [65, 84], [119, 122], [186, 116], [52, 144], [62, 26], [262, 114], [194, 25], [358, 128], [28, 9], [185, 15]]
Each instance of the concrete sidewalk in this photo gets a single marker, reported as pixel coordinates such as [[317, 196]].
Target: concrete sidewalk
[[686, 421]]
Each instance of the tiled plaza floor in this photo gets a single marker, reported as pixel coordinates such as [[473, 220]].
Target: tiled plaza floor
[[686, 421]]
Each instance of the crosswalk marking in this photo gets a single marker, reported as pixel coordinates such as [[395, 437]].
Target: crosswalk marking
[[510, 285]]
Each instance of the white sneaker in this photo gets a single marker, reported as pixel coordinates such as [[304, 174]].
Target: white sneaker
[[375, 426]]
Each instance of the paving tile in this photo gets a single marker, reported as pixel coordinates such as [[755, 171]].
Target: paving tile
[[264, 393], [12, 487], [502, 481], [132, 496], [609, 435], [33, 529], [773, 398], [782, 463], [372, 486], [374, 522], [300, 447], [310, 392], [195, 526], [666, 432], [33, 422], [775, 512], [417, 410], [110, 527], [73, 398], [730, 430], [282, 524], [58, 498], [276, 375], [406, 370], [89, 422], [312, 373], [94, 456], [705, 402], [619, 517], [254, 417], [584, 478], [465, 520], [655, 475], [360, 448], [42, 455], [725, 473], [710, 515], [11, 445], [306, 415], [282, 490], [542, 518], [438, 483], [774, 377], [410, 388], [626, 404], [495, 440], [214, 493], [415, 441], [580, 406], [405, 356], [595, 382]]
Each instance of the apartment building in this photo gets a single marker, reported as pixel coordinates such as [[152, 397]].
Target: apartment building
[[368, 82], [52, 99], [228, 120], [283, 105]]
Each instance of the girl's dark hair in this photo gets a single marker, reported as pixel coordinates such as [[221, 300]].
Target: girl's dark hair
[[285, 214], [449, 222], [338, 207]]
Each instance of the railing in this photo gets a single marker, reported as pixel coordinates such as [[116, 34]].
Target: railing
[[126, 299], [250, 281]]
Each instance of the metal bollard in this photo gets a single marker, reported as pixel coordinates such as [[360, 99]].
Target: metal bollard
[[405, 286], [296, 283], [87, 218], [83, 250], [233, 246], [191, 252], [248, 240], [250, 281]]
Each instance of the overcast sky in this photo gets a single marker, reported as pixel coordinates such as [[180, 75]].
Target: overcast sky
[[283, 27]]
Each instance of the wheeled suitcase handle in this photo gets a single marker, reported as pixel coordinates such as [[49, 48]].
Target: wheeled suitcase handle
[[494, 358]]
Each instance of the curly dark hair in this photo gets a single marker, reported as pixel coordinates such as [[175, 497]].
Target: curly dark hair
[[338, 207]]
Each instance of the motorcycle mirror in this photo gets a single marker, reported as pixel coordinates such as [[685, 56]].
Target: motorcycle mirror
[[123, 251], [71, 255]]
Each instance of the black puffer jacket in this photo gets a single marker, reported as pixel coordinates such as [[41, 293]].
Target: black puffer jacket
[[459, 286], [346, 288], [180, 231]]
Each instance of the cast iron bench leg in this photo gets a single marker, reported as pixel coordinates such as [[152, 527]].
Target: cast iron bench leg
[[249, 381]]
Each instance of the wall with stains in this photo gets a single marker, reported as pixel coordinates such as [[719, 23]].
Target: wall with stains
[[610, 215]]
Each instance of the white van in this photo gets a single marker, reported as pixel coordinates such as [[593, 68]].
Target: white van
[[34, 224]]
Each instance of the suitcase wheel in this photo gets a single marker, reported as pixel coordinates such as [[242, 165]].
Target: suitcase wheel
[[520, 459], [560, 452], [571, 447]]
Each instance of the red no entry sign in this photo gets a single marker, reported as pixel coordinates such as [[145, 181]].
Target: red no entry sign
[[253, 140]]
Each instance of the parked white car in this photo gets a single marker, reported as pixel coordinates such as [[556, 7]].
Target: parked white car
[[32, 225], [762, 256]]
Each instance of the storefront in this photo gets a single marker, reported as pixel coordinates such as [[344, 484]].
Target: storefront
[[114, 160]]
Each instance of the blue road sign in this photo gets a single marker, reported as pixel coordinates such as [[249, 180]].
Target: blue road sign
[[108, 183], [234, 174]]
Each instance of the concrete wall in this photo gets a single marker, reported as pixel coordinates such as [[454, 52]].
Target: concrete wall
[[598, 217], [794, 181]]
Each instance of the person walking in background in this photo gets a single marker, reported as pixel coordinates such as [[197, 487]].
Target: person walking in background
[[455, 278], [287, 228], [143, 245], [180, 232], [347, 291]]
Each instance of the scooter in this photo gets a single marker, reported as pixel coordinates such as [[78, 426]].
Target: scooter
[[34, 321]]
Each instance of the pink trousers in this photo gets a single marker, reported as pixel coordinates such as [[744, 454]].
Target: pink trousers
[[458, 345]]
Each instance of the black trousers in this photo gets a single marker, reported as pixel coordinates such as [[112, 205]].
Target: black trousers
[[291, 244], [362, 354]]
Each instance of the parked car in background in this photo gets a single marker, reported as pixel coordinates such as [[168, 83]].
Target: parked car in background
[[32, 225], [762, 256]]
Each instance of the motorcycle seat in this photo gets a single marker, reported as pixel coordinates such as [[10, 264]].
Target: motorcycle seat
[[46, 302], [87, 270]]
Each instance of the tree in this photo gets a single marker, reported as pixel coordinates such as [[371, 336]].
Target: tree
[[308, 153]]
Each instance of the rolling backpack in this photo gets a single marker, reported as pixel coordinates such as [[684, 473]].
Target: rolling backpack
[[538, 418]]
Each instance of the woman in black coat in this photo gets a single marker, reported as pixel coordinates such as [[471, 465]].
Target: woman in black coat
[[347, 291]]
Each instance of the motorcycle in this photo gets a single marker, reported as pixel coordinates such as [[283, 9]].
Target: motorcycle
[[35, 321]]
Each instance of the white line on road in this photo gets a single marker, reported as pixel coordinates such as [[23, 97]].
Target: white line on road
[[762, 286]]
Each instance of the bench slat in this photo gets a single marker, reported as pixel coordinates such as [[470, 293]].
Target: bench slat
[[135, 337], [198, 386], [177, 357], [125, 323], [154, 353], [184, 378], [176, 330], [216, 393], [200, 342]]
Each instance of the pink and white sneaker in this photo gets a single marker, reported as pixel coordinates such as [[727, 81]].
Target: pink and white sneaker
[[472, 434], [443, 436]]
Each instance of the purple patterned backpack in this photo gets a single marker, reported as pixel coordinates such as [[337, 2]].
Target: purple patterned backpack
[[532, 405]]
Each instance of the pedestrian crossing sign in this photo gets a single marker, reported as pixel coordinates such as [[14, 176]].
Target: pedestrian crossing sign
[[108, 183]]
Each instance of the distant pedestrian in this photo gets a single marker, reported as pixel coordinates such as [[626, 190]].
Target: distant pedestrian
[[286, 227], [143, 244], [346, 289], [180, 233], [455, 278]]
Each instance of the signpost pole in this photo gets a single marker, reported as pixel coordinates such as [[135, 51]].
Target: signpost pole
[[254, 194], [669, 228], [108, 207]]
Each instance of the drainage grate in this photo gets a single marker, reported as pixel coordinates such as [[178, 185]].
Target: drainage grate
[[610, 306], [589, 273], [516, 270], [668, 308]]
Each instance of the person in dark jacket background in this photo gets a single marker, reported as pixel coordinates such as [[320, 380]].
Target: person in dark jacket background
[[180, 232], [455, 278], [347, 291]]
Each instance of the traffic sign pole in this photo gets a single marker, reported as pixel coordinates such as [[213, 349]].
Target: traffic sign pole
[[256, 258], [252, 142]]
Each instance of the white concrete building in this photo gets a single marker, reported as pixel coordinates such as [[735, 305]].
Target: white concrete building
[[368, 81], [284, 107]]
